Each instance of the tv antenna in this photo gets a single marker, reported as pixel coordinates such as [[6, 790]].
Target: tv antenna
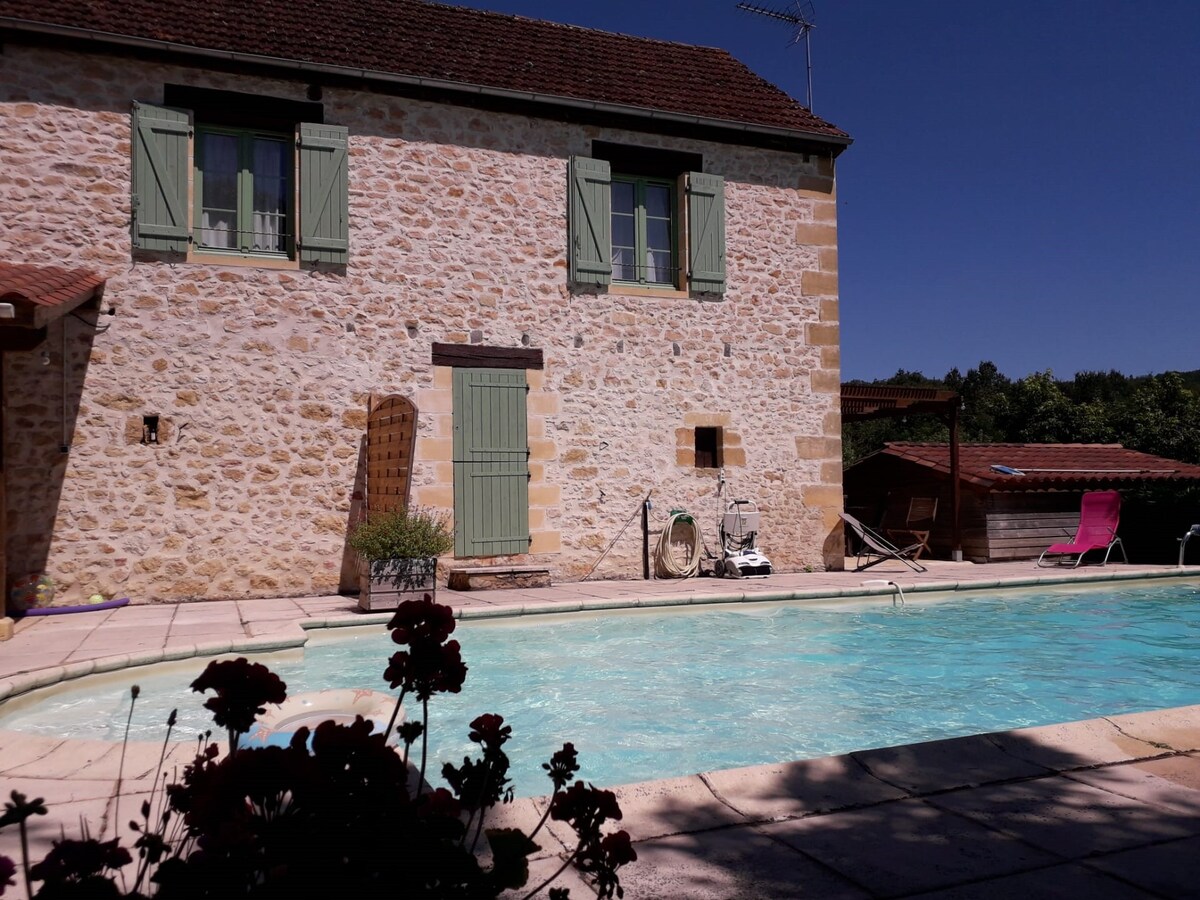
[[800, 16]]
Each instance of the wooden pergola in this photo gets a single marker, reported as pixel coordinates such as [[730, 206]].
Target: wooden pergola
[[861, 402]]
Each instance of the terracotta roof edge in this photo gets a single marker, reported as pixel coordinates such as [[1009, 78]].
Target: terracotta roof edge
[[492, 13], [840, 140]]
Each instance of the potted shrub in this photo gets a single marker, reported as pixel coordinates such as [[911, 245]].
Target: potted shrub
[[399, 550]]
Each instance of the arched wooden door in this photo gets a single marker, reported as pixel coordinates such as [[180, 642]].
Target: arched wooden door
[[391, 440]]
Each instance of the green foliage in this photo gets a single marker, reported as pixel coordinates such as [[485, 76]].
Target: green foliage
[[1157, 414], [401, 534]]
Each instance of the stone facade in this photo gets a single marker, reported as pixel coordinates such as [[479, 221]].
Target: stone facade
[[260, 377]]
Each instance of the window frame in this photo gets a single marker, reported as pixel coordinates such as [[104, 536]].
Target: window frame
[[162, 179], [640, 230], [244, 192]]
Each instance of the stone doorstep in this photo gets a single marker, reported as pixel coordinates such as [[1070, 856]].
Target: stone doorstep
[[488, 578]]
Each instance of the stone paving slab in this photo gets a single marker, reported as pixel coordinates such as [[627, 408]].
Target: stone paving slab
[[1169, 869], [1055, 883], [670, 806], [908, 846], [943, 765], [790, 790], [1074, 744], [720, 865], [1172, 782], [1167, 729], [1069, 818]]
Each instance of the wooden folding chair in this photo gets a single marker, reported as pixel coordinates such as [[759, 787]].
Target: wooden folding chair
[[917, 524]]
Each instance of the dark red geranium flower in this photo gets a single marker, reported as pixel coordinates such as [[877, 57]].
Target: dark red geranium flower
[[490, 730], [243, 689], [439, 804], [421, 620], [584, 805], [427, 669], [562, 766], [70, 860], [410, 731]]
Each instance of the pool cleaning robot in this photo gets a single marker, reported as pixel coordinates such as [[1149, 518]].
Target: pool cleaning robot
[[740, 556]]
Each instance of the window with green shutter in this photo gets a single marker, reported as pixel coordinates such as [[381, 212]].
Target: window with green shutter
[[635, 193], [263, 183], [160, 178]]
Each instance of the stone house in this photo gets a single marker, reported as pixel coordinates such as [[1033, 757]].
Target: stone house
[[596, 265]]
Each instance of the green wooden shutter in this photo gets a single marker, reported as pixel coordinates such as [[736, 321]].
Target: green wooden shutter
[[491, 463], [324, 228], [706, 233], [160, 178], [590, 235]]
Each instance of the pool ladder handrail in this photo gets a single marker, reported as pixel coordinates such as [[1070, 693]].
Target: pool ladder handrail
[[896, 589], [1195, 529]]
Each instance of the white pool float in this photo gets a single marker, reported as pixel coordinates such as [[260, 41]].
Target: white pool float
[[277, 725]]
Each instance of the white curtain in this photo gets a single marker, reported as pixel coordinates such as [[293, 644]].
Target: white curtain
[[218, 227], [270, 182], [654, 273]]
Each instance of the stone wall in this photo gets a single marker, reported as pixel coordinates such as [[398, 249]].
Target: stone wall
[[457, 234]]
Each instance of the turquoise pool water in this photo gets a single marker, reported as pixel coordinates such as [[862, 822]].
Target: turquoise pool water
[[649, 695]]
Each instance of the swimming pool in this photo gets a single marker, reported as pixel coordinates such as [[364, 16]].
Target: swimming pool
[[652, 694]]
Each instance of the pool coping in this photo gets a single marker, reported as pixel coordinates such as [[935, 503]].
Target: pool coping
[[778, 829]]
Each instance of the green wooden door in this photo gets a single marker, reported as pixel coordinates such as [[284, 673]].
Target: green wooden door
[[491, 463]]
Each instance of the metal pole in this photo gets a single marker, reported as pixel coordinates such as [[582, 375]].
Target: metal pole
[[808, 59], [6, 623], [955, 487], [646, 538]]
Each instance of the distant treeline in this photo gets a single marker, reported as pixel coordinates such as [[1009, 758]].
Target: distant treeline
[[1157, 414]]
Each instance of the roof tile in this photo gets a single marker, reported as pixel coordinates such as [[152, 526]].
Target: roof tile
[[46, 285], [1046, 466], [449, 43]]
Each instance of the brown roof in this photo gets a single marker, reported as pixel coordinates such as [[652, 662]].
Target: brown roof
[[447, 44], [42, 293], [1045, 466]]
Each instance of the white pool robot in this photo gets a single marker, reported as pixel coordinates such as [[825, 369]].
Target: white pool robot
[[740, 556]]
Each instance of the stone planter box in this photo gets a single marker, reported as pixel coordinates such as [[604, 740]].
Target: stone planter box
[[386, 583]]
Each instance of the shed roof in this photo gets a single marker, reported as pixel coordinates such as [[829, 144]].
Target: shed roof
[[40, 294], [1043, 466], [445, 47]]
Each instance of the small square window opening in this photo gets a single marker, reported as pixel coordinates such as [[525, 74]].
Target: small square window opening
[[708, 448]]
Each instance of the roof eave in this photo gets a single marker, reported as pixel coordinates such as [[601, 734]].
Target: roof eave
[[836, 143]]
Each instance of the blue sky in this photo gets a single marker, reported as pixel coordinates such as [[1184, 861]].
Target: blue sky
[[1024, 185]]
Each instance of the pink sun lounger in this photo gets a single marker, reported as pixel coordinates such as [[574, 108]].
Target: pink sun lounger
[[1099, 514]]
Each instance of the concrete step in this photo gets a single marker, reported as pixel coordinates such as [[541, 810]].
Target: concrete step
[[486, 578]]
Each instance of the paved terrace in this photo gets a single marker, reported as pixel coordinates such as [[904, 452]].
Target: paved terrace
[[1107, 808]]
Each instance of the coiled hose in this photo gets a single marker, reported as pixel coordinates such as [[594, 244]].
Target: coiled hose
[[665, 565]]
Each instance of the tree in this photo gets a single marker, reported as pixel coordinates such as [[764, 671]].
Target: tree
[[1162, 417], [1157, 414]]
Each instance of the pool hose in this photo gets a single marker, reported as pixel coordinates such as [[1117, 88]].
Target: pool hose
[[665, 565]]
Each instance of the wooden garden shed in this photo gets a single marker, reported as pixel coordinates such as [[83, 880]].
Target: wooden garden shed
[[1017, 499]]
